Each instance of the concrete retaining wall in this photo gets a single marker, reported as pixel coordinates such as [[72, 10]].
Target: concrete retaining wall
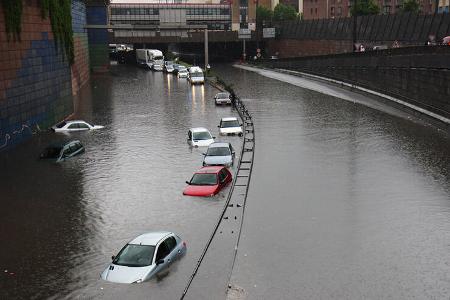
[[80, 68], [418, 75], [96, 14]]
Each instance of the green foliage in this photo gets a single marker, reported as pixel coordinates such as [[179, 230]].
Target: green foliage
[[263, 14], [60, 13], [284, 13], [411, 6], [12, 10], [364, 7]]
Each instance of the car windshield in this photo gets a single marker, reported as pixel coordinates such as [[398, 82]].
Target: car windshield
[[169, 63], [204, 179], [61, 125], [228, 124], [201, 136], [135, 256], [222, 95], [218, 151], [51, 152], [182, 69], [197, 74], [158, 57]]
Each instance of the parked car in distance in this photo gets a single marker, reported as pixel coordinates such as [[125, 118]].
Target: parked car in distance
[[182, 72], [199, 137], [144, 257], [230, 126], [222, 98], [62, 151], [380, 47], [74, 125], [168, 66], [208, 181], [196, 75], [219, 154], [176, 67]]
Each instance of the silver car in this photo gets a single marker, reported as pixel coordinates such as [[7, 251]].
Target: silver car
[[62, 151], [144, 257], [222, 98], [219, 154]]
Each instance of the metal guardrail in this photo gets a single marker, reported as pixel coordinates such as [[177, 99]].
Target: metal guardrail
[[241, 180]]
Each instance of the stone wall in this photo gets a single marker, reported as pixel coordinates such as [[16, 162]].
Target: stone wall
[[417, 75]]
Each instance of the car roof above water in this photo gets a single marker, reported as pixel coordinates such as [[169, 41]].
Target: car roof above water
[[151, 238], [199, 129], [229, 119], [219, 145]]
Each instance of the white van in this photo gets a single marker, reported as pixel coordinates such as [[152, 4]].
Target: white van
[[196, 75]]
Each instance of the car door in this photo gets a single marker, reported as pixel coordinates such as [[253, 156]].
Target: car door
[[171, 245], [83, 126], [73, 127], [161, 254]]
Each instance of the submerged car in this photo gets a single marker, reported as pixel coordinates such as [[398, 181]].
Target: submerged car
[[144, 257], [62, 151], [222, 98], [168, 66], [219, 154], [199, 137], [230, 126], [182, 72], [75, 125], [208, 181]]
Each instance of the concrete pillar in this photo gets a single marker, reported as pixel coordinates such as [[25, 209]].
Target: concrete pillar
[[97, 14]]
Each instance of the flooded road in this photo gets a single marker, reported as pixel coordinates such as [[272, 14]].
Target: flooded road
[[346, 202], [60, 223]]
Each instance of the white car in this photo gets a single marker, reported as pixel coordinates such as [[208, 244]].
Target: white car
[[74, 125], [182, 73], [199, 137], [157, 67], [222, 98], [144, 257], [230, 126]]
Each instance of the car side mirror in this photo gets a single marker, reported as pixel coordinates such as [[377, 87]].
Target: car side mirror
[[161, 261], [214, 137], [204, 153], [240, 125], [113, 257], [188, 182], [218, 126]]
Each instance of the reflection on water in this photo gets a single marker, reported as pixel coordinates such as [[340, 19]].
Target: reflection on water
[[62, 222]]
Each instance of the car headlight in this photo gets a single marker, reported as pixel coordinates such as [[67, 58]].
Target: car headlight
[[138, 281]]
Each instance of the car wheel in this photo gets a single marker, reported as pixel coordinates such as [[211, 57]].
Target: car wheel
[[240, 134]]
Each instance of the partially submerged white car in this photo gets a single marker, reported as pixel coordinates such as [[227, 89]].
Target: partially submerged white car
[[199, 137], [144, 257], [74, 125], [230, 126]]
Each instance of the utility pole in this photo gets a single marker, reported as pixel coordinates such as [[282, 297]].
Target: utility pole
[[206, 51], [355, 14]]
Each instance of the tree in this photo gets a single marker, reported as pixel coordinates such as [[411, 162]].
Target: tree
[[284, 13], [364, 7], [411, 6], [263, 14]]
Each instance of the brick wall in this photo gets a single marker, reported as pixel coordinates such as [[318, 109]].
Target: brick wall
[[35, 80], [80, 68]]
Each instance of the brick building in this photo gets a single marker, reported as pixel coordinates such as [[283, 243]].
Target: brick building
[[324, 9]]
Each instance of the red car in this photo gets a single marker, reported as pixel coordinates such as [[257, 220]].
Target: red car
[[208, 181]]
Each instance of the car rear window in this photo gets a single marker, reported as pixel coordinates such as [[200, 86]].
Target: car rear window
[[218, 151], [202, 135]]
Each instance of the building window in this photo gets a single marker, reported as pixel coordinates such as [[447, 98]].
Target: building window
[[311, 10], [316, 10], [339, 11]]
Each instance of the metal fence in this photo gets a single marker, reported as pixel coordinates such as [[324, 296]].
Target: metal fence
[[407, 28]]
